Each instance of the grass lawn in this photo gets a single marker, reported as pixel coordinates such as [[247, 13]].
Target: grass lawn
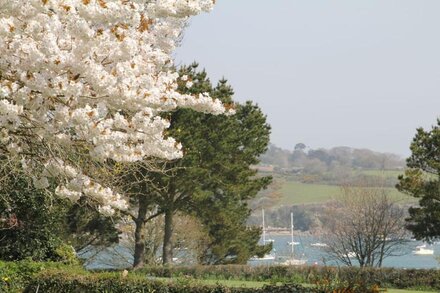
[[406, 291], [297, 193], [234, 283], [254, 284]]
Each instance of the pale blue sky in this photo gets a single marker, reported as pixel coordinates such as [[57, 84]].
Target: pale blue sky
[[327, 73]]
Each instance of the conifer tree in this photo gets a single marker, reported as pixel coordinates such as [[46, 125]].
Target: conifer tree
[[422, 181], [213, 180]]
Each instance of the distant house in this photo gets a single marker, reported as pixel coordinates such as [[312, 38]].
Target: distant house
[[263, 168], [292, 170], [297, 170]]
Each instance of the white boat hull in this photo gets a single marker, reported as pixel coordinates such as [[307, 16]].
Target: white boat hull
[[295, 262], [423, 251], [266, 257]]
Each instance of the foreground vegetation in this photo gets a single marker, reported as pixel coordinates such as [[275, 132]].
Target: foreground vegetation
[[27, 276]]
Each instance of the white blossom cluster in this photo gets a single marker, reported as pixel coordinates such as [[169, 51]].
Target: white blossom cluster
[[95, 73]]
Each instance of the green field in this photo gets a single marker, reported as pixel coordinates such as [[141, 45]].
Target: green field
[[382, 173], [297, 193], [293, 192]]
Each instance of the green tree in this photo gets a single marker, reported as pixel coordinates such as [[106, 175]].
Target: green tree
[[36, 224], [28, 221], [230, 241], [213, 179], [422, 180]]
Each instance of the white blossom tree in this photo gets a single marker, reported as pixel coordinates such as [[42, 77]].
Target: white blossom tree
[[84, 82]]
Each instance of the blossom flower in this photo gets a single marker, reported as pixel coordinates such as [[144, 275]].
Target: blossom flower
[[91, 78]]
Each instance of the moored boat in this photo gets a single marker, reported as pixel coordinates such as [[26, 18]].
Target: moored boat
[[422, 250]]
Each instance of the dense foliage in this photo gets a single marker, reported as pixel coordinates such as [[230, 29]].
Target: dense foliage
[[422, 181], [25, 214], [37, 225]]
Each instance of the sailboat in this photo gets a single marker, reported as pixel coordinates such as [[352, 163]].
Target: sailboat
[[292, 261], [267, 256], [423, 250], [265, 240]]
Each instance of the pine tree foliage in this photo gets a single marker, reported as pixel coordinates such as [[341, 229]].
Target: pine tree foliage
[[214, 178], [422, 180]]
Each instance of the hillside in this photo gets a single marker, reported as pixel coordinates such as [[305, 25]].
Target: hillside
[[305, 180]]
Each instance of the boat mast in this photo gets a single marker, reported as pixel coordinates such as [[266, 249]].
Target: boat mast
[[264, 229], [291, 230]]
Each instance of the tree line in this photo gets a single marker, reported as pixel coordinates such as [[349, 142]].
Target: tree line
[[322, 160]]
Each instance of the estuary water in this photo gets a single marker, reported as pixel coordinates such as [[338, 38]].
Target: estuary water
[[119, 257], [318, 256]]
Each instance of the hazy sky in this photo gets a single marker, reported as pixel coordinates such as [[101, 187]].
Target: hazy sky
[[327, 73]]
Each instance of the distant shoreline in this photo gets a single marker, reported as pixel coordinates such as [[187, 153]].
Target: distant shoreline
[[286, 231]]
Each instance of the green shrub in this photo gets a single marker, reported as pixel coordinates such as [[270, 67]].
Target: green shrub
[[66, 254], [38, 218], [15, 276]]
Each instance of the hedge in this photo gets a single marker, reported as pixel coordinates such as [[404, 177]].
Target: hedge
[[383, 277], [28, 276], [65, 282], [54, 277]]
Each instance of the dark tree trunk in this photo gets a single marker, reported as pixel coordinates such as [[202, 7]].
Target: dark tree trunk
[[139, 234], [167, 256], [382, 253]]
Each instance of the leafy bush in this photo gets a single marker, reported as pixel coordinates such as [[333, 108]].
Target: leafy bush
[[67, 255], [30, 221], [15, 276], [352, 286]]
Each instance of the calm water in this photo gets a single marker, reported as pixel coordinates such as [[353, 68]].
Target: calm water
[[120, 256], [316, 255]]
